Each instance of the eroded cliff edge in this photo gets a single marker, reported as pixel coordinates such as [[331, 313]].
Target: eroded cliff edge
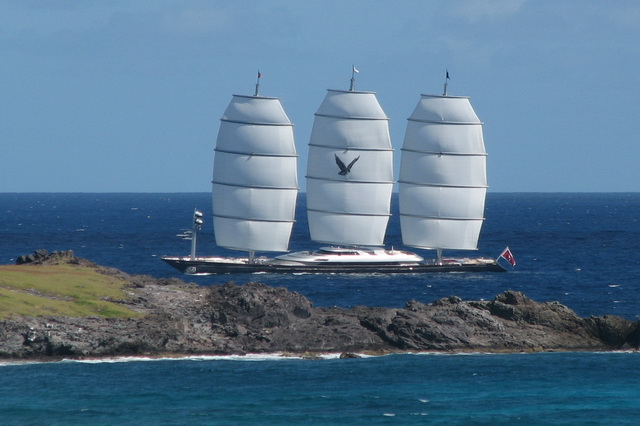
[[182, 319]]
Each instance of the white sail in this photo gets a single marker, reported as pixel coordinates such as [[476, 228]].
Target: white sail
[[443, 179], [350, 170], [255, 179]]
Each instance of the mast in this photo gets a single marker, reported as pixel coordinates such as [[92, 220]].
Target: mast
[[443, 180], [354, 71], [196, 226], [255, 183], [258, 83], [349, 170], [446, 83]]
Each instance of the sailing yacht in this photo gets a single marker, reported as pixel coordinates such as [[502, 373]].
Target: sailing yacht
[[349, 185]]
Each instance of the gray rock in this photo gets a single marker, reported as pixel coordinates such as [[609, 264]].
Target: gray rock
[[181, 318]]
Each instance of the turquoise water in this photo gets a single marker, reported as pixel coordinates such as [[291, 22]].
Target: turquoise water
[[557, 388], [579, 249]]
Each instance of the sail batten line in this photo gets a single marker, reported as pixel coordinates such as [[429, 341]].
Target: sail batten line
[[350, 117], [377, 182], [471, 219], [343, 213], [453, 123], [461, 154], [255, 186], [428, 95], [357, 92], [254, 123], [257, 97], [440, 247], [442, 185], [255, 154], [341, 149]]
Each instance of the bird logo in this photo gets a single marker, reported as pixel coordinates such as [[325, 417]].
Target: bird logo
[[345, 170]]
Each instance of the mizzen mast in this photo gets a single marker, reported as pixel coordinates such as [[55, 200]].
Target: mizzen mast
[[446, 83]]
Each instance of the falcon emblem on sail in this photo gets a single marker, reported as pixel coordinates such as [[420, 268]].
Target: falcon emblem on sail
[[345, 170]]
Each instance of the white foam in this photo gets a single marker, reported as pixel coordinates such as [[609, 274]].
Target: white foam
[[279, 356], [14, 363]]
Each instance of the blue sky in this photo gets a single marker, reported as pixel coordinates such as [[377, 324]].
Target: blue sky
[[126, 96]]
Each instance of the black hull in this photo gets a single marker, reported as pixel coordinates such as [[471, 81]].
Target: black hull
[[205, 267]]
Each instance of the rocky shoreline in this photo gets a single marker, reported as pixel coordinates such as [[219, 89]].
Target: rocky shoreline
[[185, 319]]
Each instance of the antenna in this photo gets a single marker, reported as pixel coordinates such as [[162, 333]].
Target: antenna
[[196, 226]]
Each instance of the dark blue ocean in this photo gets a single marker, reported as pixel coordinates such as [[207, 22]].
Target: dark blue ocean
[[579, 249]]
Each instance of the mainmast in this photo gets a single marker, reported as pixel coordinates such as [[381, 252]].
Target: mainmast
[[349, 170]]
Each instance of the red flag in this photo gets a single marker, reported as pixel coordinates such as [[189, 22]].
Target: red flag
[[508, 256], [259, 75]]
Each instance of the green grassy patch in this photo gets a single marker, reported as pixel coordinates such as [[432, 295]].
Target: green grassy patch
[[66, 290]]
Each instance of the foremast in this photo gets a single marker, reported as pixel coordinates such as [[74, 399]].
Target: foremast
[[255, 182]]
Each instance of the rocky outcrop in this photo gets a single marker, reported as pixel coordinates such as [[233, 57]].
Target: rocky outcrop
[[43, 257], [181, 318]]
